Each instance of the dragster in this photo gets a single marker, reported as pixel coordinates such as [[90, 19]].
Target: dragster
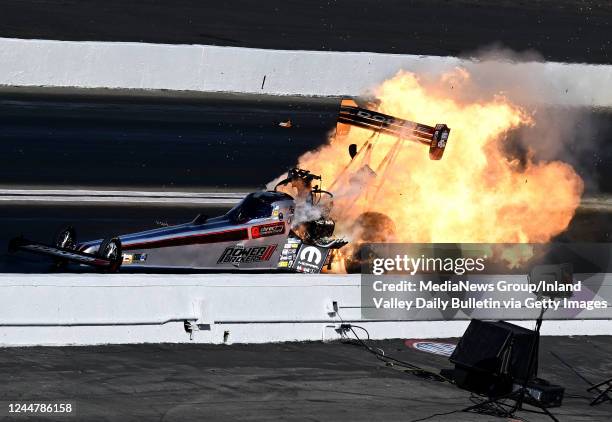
[[259, 233]]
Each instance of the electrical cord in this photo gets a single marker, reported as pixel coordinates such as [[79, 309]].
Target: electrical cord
[[437, 414], [389, 360], [494, 410], [382, 352], [362, 328]]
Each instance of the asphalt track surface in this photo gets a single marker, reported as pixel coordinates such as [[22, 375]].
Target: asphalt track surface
[[159, 141], [190, 141], [560, 30], [289, 382]]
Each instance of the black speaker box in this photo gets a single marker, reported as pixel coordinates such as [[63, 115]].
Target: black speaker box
[[496, 349], [481, 382]]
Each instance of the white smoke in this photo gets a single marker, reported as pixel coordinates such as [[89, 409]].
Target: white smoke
[[565, 125], [305, 211]]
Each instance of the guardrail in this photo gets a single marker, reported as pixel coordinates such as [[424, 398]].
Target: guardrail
[[52, 309]]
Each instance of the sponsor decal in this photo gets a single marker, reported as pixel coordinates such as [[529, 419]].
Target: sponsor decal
[[265, 230], [440, 140], [433, 347], [310, 259], [311, 254], [240, 254], [289, 253], [376, 117], [134, 258]]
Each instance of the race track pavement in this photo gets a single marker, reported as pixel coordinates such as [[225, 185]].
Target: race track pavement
[[290, 381], [123, 140], [155, 141]]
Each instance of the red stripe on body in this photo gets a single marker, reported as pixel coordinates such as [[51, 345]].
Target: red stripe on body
[[268, 253], [195, 239]]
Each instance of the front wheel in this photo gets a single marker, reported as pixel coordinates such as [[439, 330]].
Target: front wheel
[[65, 238], [110, 249]]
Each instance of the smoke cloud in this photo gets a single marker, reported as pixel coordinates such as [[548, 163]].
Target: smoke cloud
[[563, 128]]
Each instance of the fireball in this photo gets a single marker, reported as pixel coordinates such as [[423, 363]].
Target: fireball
[[476, 193]]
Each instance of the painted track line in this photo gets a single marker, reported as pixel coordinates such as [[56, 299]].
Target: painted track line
[[599, 203]]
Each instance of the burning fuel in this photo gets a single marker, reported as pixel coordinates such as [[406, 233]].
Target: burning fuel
[[392, 191]]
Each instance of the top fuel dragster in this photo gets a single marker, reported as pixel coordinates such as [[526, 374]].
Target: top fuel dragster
[[259, 233]]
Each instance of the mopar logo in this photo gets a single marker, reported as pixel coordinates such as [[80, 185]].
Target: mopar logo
[[376, 117], [310, 259], [311, 254]]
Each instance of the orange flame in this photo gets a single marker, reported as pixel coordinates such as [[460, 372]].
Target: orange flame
[[474, 194]]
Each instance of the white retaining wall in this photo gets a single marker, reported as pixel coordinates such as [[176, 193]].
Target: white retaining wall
[[312, 73], [63, 309]]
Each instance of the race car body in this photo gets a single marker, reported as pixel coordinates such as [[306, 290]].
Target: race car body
[[250, 236], [257, 234]]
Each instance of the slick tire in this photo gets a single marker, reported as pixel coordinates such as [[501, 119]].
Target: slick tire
[[110, 249], [369, 227]]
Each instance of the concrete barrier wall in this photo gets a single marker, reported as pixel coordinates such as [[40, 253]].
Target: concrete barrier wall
[[52, 309], [312, 73]]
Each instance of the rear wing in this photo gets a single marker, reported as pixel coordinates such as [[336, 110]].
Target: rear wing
[[435, 137]]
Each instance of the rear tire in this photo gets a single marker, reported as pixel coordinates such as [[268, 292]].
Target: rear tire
[[110, 249], [369, 227]]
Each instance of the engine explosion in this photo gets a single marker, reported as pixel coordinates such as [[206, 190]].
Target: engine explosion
[[476, 193]]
